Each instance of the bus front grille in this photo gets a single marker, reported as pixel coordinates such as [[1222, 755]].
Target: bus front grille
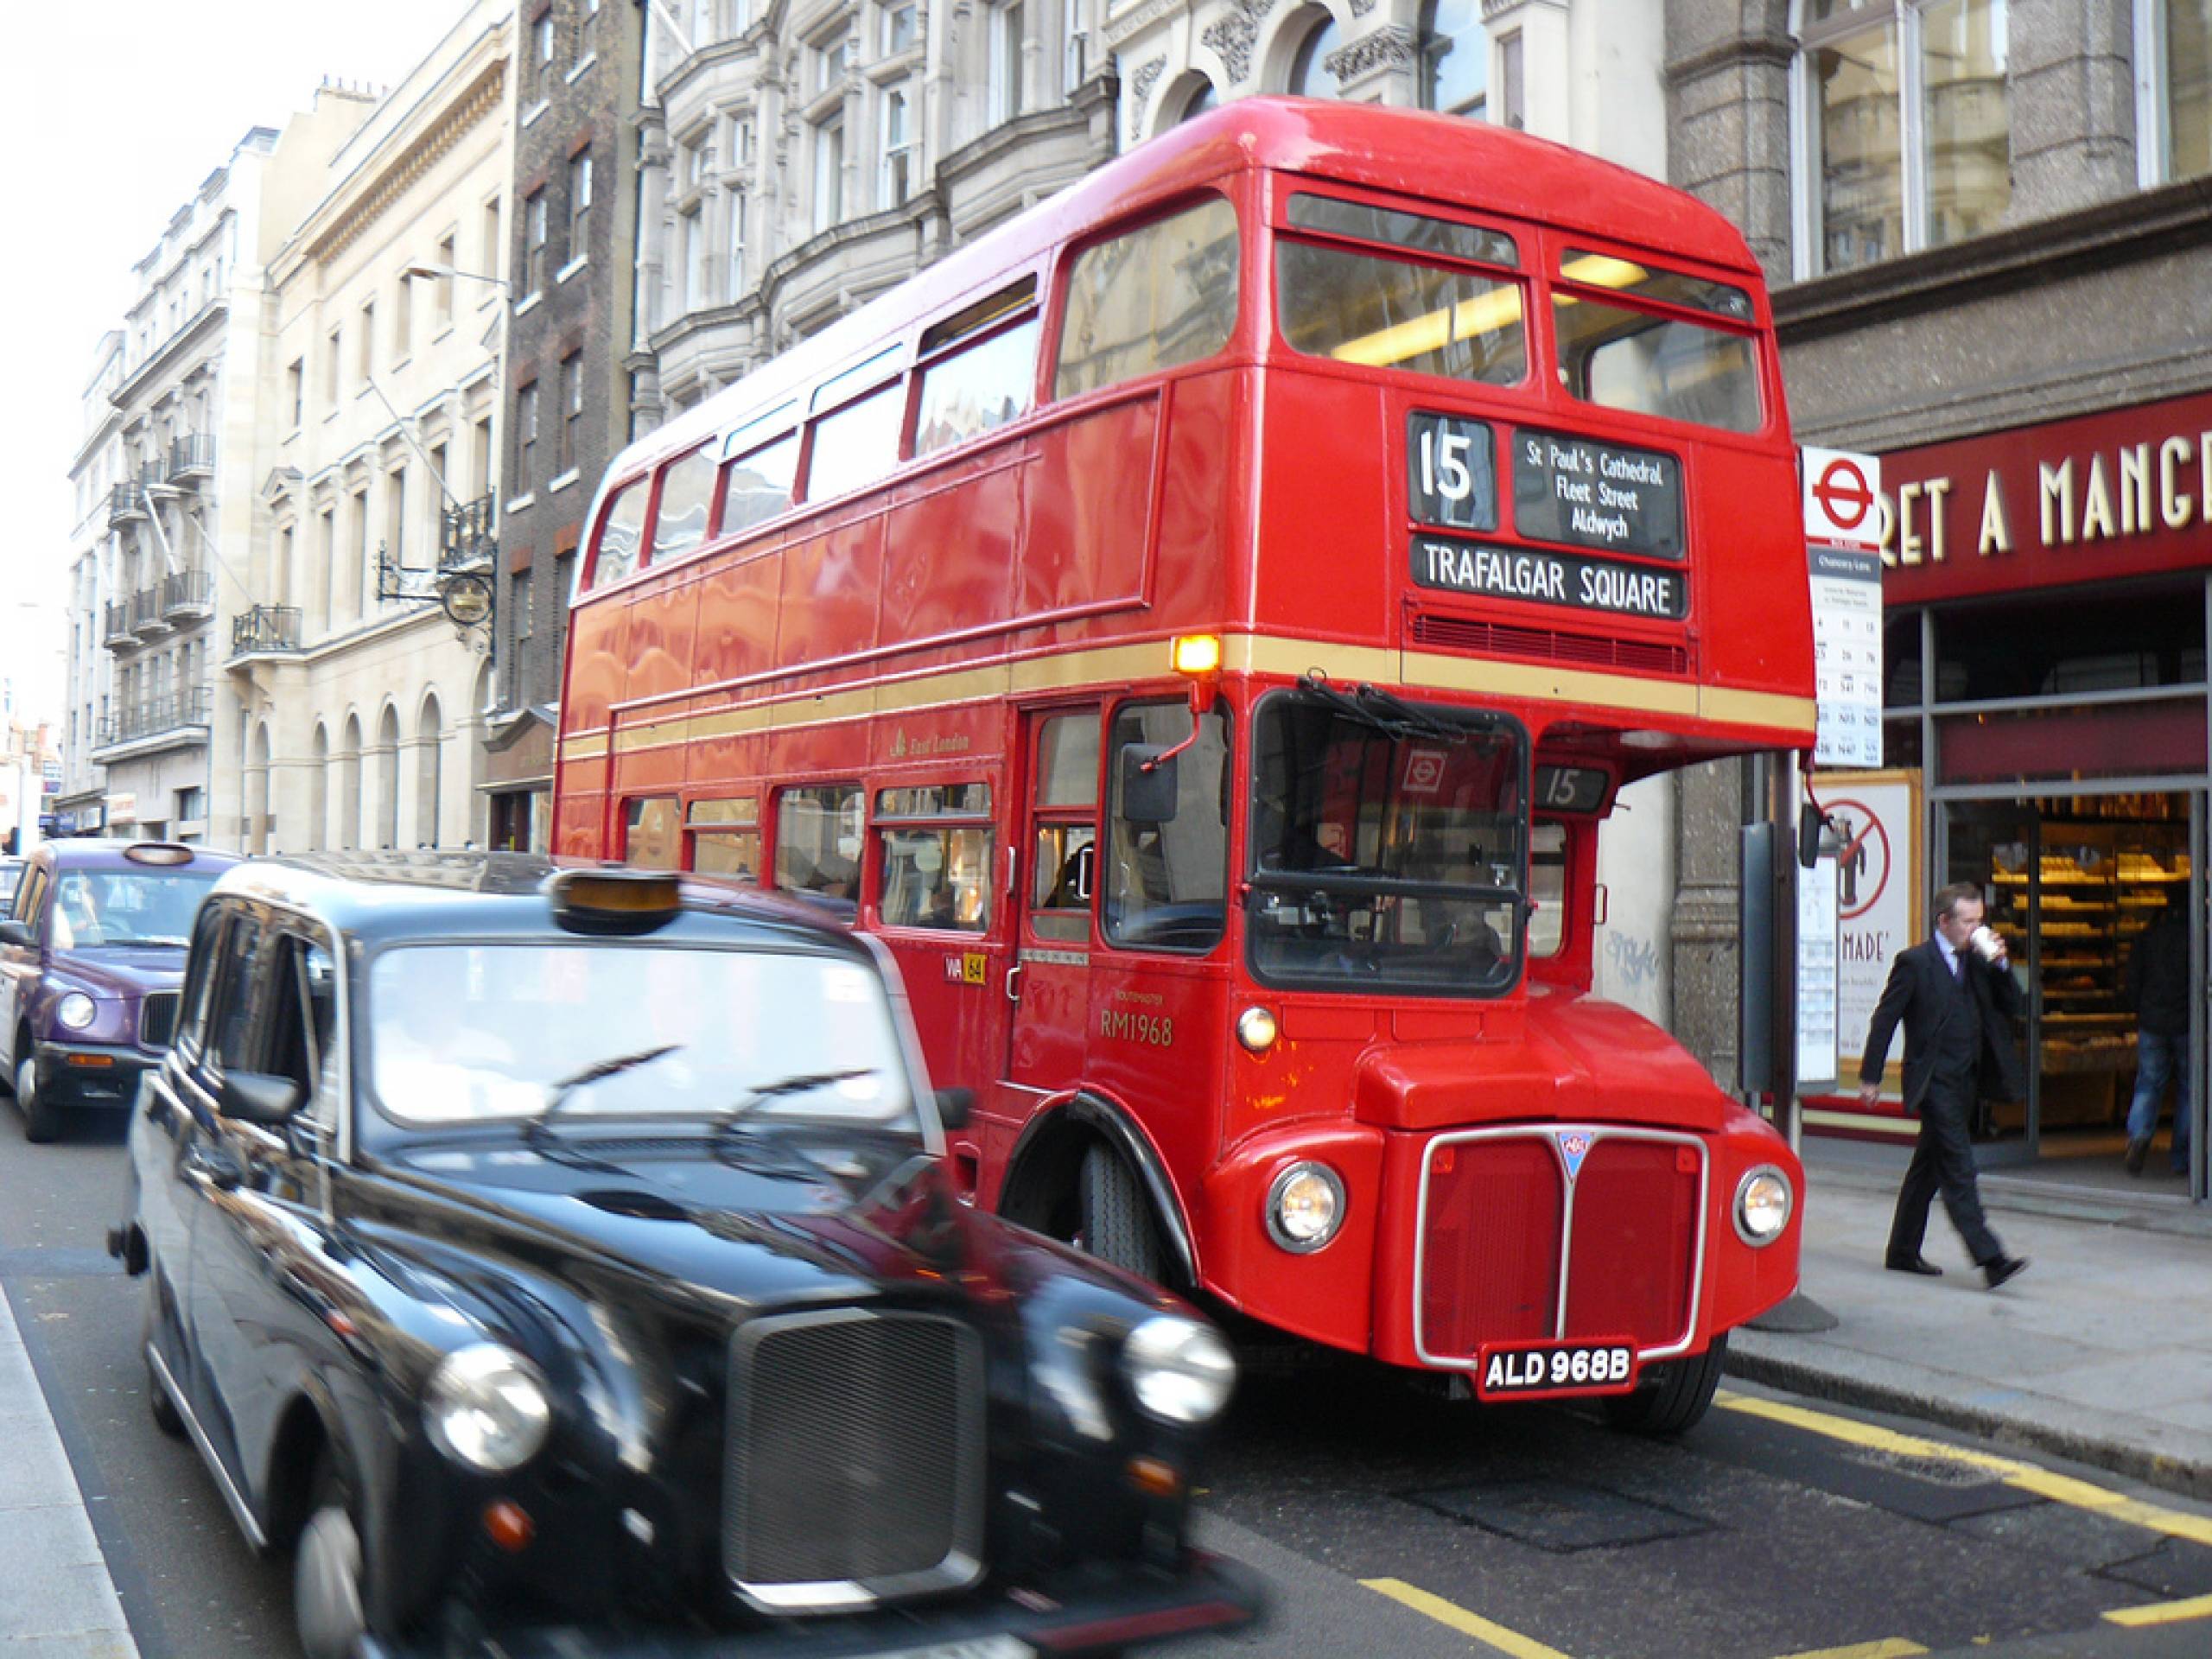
[[1502, 1226], [855, 1468]]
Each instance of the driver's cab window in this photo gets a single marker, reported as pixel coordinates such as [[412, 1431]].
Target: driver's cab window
[[1548, 889], [1168, 852]]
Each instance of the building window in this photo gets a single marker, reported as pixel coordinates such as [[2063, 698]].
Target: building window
[[368, 343], [1454, 57], [1906, 135], [831, 60], [898, 143], [579, 205], [395, 516], [495, 255], [829, 172], [695, 260], [745, 139], [1203, 98], [541, 39], [403, 319], [533, 209], [897, 30], [448, 262], [526, 435], [296, 389], [2173, 89], [1002, 85], [1512, 107], [1310, 75], [333, 350], [735, 277], [572, 409], [1075, 46]]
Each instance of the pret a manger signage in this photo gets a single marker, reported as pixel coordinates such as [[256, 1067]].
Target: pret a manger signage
[[2124, 493]]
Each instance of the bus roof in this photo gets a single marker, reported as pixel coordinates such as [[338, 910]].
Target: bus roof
[[1413, 152]]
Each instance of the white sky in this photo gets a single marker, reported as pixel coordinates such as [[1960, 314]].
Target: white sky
[[114, 116]]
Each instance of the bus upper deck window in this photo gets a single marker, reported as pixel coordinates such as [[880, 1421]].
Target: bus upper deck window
[[686, 488], [1385, 312], [619, 532], [1673, 367], [976, 388], [856, 445], [757, 486], [1160, 295]]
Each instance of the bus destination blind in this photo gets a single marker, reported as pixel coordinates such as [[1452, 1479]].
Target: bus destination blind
[[1453, 566], [1602, 495]]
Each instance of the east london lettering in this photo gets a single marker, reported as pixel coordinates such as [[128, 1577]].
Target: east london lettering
[[2138, 489]]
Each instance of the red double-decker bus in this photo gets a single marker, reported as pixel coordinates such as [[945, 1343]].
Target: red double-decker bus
[[1201, 627]]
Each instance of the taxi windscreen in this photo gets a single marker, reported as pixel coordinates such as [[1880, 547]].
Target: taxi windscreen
[[469, 1032]]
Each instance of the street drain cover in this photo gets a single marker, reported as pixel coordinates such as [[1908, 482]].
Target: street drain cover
[[1562, 1516]]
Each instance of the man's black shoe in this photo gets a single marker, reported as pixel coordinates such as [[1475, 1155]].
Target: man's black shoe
[[2138, 1150], [1913, 1264], [2003, 1267]]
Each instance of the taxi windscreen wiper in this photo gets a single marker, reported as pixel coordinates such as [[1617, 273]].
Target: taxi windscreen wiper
[[800, 1084], [535, 1129]]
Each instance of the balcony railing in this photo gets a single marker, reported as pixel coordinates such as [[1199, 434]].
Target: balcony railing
[[117, 632], [266, 627], [192, 456], [153, 472], [188, 595], [466, 535], [181, 712], [123, 502], [146, 612]]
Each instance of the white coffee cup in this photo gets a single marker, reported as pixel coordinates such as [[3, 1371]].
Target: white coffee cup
[[1987, 943]]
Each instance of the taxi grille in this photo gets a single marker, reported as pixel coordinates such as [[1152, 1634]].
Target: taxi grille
[[157, 1019], [855, 1461], [1499, 1230]]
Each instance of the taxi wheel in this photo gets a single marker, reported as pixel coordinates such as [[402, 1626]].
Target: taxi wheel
[[1116, 1221], [42, 1123], [167, 1417], [1677, 1399], [326, 1570]]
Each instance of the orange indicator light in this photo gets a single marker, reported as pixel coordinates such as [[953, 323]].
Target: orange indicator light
[[507, 1524]]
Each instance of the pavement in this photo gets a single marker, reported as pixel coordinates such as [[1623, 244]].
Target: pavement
[[2100, 1352], [60, 1600]]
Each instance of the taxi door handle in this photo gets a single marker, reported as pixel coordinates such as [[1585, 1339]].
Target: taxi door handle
[[1014, 984]]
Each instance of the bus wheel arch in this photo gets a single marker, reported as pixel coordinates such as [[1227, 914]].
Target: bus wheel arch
[[1081, 1164]]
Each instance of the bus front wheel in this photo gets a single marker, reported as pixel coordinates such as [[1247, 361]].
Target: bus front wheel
[[1116, 1222], [1676, 1397]]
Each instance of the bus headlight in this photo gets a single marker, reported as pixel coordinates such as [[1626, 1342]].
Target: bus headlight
[[1306, 1206], [75, 1011], [1181, 1371], [1762, 1206], [485, 1407], [1255, 1029]]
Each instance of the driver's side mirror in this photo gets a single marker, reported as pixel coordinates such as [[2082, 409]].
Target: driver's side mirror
[[954, 1107], [258, 1097], [1147, 785], [15, 933]]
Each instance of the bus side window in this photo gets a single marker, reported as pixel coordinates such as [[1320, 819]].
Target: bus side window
[[1160, 295], [1167, 881], [818, 844], [649, 838], [936, 871], [856, 445], [1547, 888], [757, 486], [976, 388], [618, 533], [725, 837], [1065, 828], [686, 486]]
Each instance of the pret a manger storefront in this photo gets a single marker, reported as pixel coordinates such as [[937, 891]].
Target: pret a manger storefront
[[2046, 593]]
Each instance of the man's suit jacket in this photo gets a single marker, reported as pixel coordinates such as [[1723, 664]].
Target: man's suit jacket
[[1921, 992]]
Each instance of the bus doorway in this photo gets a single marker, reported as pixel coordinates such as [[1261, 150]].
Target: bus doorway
[[2090, 893]]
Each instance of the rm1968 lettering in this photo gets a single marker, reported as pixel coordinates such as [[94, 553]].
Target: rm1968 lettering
[[1156, 1029]]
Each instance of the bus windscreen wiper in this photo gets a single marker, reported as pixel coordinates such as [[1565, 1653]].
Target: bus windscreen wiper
[[535, 1129], [1379, 711]]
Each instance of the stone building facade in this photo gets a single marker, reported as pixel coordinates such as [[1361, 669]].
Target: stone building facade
[[97, 467], [360, 698], [565, 390]]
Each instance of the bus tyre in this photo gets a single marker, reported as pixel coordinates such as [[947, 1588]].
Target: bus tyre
[[1677, 1397], [1116, 1223]]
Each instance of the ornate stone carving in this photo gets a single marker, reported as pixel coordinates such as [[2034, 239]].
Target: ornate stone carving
[[1231, 36], [1388, 47], [1361, 7], [1139, 90]]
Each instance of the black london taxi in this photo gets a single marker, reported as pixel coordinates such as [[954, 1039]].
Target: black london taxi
[[558, 1260]]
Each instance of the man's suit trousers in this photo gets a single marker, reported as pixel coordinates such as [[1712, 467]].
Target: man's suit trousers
[[1942, 1160]]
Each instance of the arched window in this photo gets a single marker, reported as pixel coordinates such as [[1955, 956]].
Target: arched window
[[257, 790], [1454, 57], [429, 736], [388, 779], [1309, 73], [319, 791], [1200, 100], [349, 785]]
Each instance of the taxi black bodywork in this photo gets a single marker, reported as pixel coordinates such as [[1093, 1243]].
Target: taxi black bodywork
[[640, 1381]]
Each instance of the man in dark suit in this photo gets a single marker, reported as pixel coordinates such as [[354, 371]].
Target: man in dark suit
[[1958, 1008]]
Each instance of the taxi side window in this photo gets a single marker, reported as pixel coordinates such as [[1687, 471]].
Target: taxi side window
[[29, 896], [231, 1032], [302, 1002], [192, 1019]]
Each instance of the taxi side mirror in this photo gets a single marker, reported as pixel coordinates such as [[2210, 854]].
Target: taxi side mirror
[[954, 1107], [258, 1097], [15, 933]]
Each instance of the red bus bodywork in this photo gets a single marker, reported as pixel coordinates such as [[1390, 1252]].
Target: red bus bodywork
[[1521, 1166]]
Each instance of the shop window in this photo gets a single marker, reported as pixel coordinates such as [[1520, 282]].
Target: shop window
[[2174, 89], [1906, 132], [1168, 848], [2069, 646], [1152, 298], [650, 837], [818, 843], [725, 837], [936, 846]]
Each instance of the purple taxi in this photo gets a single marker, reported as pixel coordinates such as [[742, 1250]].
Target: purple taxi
[[91, 961]]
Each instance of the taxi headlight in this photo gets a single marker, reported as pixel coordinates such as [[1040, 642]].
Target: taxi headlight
[[1306, 1205], [75, 1011], [1763, 1205], [487, 1408], [1181, 1371]]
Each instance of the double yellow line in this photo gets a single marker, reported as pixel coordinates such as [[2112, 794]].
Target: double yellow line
[[2025, 1476]]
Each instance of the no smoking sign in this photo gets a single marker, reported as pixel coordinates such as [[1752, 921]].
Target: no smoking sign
[[1842, 491]]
